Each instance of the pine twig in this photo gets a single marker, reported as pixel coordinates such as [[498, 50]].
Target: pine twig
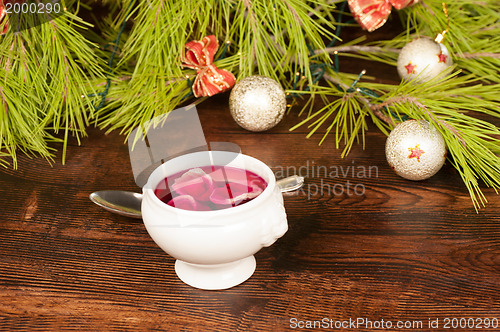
[[467, 55], [356, 49], [373, 108], [416, 102]]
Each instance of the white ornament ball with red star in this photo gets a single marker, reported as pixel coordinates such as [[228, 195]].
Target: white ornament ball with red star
[[423, 59], [415, 150]]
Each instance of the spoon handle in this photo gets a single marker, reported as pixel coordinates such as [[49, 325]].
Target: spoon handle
[[125, 203], [290, 183]]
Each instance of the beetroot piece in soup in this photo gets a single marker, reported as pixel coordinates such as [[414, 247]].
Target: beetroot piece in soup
[[195, 183], [210, 188]]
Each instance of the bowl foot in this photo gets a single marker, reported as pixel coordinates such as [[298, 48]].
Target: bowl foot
[[216, 276]]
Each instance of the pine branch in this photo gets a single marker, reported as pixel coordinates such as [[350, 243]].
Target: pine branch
[[473, 144], [44, 72], [473, 35], [421, 106], [375, 109], [467, 55], [262, 34], [356, 49]]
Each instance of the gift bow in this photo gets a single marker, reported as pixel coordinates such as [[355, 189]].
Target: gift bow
[[3, 18], [209, 80], [372, 14]]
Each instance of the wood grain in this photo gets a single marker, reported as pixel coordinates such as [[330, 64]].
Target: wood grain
[[400, 251]]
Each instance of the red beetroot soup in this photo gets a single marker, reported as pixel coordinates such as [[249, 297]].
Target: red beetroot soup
[[210, 188]]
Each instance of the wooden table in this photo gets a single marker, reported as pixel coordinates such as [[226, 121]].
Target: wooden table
[[399, 251]]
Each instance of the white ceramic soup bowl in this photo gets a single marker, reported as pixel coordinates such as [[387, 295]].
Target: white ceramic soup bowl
[[214, 249]]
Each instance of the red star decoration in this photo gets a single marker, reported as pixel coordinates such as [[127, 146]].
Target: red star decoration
[[442, 57], [410, 68], [416, 152]]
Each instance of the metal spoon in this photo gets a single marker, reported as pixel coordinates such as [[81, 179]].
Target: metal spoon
[[128, 203]]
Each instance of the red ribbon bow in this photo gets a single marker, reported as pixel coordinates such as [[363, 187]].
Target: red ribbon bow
[[210, 80], [372, 14], [3, 18]]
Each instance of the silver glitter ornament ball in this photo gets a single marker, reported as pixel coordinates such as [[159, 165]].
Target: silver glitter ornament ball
[[423, 59], [257, 103], [415, 150]]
